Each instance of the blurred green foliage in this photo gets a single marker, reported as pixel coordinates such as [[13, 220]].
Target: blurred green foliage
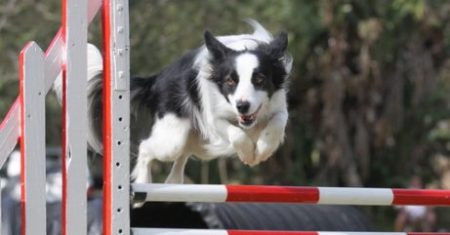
[[369, 95]]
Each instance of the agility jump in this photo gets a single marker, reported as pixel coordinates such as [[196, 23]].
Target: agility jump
[[26, 119]]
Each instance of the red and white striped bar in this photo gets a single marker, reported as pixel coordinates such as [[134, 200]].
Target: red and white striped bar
[[158, 231], [290, 194]]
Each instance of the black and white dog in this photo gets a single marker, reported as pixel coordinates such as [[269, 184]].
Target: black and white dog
[[225, 98]]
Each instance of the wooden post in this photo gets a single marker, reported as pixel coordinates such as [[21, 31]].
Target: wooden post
[[32, 141], [74, 32]]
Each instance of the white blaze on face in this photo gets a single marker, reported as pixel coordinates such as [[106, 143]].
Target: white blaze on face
[[245, 65]]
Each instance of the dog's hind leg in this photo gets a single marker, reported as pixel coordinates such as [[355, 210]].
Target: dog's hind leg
[[176, 175], [166, 143]]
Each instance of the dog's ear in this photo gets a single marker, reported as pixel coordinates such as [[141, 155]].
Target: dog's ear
[[279, 45], [215, 47]]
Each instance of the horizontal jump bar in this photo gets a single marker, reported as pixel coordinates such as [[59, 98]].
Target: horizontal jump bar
[[158, 231], [289, 194]]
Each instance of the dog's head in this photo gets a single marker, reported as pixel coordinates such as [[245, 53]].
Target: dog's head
[[248, 78]]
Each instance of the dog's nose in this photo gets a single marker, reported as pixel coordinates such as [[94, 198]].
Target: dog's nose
[[243, 106]]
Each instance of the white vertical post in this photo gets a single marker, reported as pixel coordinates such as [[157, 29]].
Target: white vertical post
[[32, 142], [116, 218], [74, 26]]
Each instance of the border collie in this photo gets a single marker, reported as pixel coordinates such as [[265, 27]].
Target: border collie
[[226, 98]]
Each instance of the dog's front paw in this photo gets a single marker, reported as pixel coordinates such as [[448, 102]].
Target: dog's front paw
[[243, 145], [267, 144]]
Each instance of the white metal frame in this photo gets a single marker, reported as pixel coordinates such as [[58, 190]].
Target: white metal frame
[[26, 120], [116, 115]]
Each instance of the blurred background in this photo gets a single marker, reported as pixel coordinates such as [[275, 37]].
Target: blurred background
[[369, 96]]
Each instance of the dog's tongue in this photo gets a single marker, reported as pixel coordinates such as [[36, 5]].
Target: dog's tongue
[[246, 119]]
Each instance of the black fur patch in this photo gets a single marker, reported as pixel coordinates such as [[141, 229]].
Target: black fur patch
[[171, 89]]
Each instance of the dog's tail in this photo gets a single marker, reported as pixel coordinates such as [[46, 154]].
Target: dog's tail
[[262, 34], [94, 66], [94, 95], [259, 32]]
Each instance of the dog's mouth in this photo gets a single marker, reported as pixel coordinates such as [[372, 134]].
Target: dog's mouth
[[248, 120]]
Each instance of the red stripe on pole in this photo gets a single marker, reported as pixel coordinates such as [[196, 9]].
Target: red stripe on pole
[[285, 194], [421, 197], [107, 122], [256, 232], [424, 233], [265, 232], [63, 154], [54, 40], [63, 31], [63, 18]]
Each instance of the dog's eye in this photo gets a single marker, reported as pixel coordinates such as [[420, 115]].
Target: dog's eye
[[258, 79], [230, 81]]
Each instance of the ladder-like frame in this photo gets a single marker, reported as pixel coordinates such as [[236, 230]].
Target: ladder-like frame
[[66, 55]]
